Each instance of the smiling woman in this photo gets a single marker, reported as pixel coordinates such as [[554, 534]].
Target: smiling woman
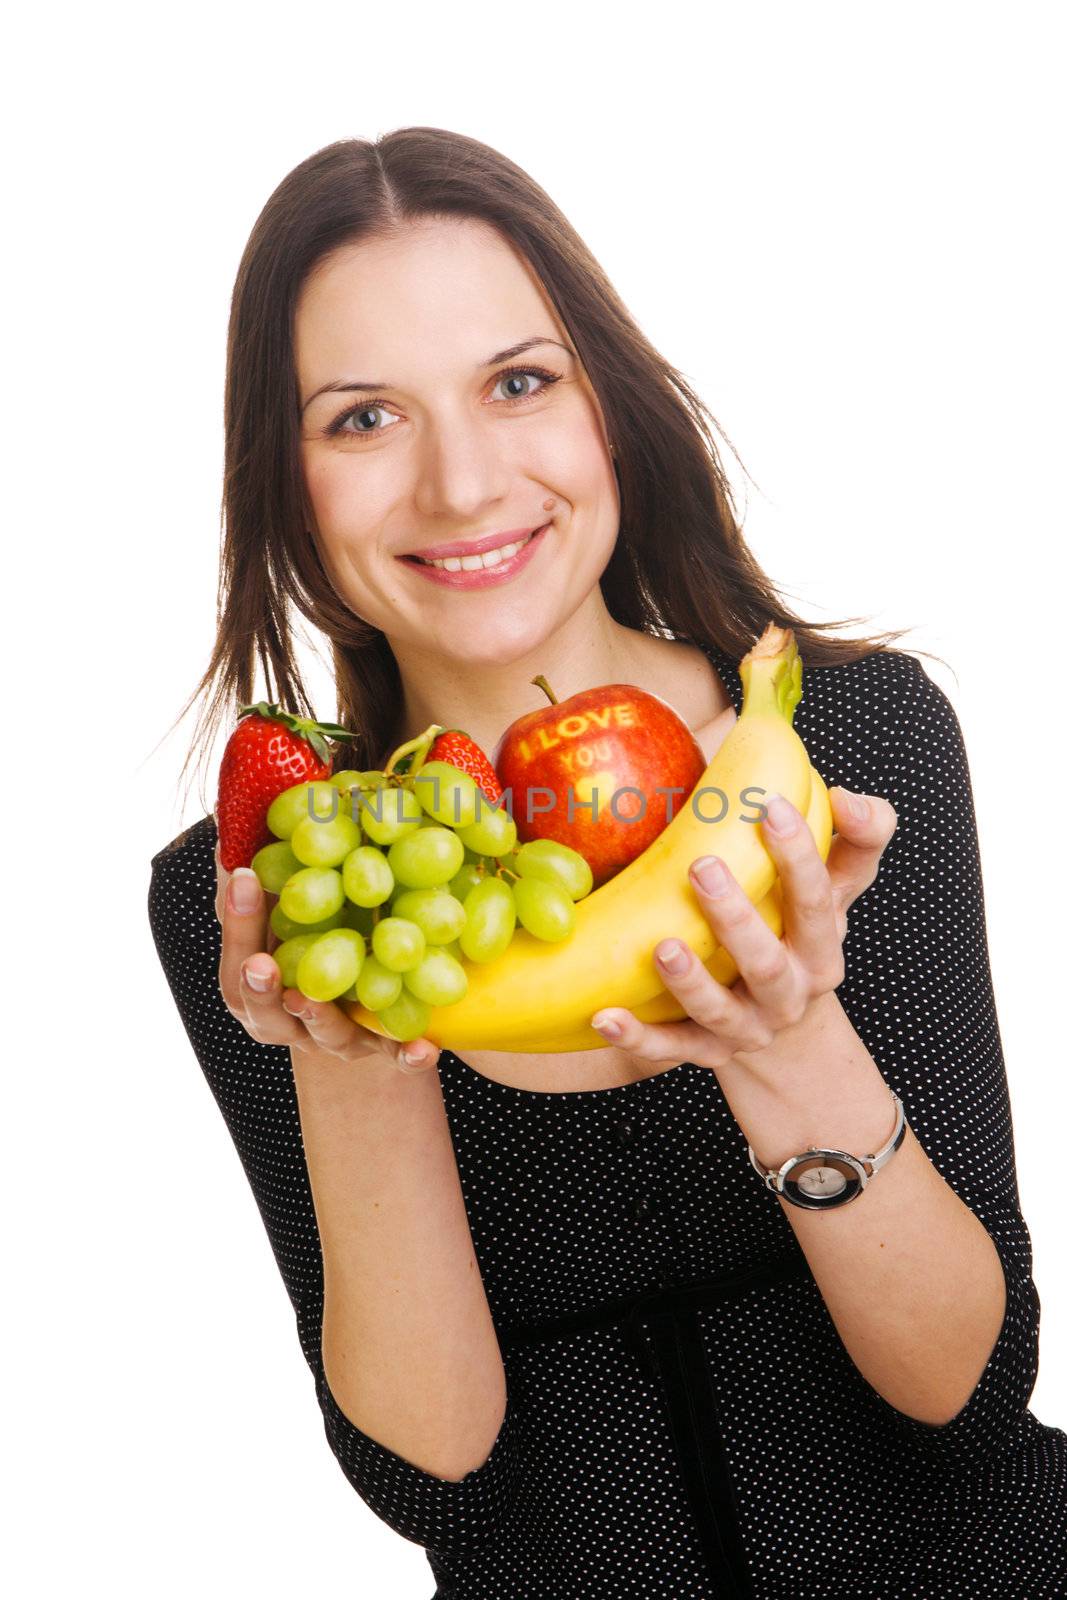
[[547, 1298], [432, 260]]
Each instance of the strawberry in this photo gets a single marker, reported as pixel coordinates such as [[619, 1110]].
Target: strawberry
[[460, 750], [268, 751]]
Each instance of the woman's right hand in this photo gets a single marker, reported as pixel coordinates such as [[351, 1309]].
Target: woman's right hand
[[273, 1015]]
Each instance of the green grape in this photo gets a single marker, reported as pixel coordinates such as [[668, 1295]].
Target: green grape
[[468, 875], [376, 987], [290, 953], [448, 795], [398, 943], [312, 894], [292, 805], [490, 924], [389, 813], [331, 965], [439, 914], [367, 876], [494, 833], [453, 949], [544, 909], [471, 856], [347, 780], [427, 858], [274, 865], [556, 863], [439, 979], [407, 1018], [324, 844], [286, 928]]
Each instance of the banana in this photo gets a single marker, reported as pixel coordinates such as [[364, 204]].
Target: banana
[[664, 1007], [539, 997]]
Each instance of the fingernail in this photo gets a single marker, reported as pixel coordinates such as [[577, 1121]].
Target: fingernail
[[413, 1060], [259, 981], [606, 1025], [781, 816], [243, 891], [672, 957], [860, 808], [710, 873]]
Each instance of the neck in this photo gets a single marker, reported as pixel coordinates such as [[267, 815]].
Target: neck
[[485, 690]]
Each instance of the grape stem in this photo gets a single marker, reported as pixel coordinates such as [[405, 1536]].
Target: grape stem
[[421, 747]]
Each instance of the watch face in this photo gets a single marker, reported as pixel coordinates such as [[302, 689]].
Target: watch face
[[821, 1179]]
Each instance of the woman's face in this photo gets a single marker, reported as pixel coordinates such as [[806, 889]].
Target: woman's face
[[449, 447]]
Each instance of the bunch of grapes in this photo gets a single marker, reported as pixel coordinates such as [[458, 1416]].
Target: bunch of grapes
[[386, 883]]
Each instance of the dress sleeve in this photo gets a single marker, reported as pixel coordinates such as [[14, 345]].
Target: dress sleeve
[[253, 1088], [933, 1029]]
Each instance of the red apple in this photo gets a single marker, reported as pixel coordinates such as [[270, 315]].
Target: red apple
[[561, 757]]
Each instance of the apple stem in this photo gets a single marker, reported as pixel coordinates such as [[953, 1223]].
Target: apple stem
[[541, 682]]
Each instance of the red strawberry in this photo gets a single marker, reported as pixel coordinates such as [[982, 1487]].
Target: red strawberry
[[268, 751], [460, 750]]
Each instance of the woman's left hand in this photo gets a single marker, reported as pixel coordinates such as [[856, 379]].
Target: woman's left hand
[[779, 979]]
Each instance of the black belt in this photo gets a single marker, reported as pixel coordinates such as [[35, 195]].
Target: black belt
[[677, 1357]]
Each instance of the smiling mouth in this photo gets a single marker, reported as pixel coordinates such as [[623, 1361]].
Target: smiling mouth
[[491, 558]]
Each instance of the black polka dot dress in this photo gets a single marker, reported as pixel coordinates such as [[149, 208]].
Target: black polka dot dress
[[683, 1421]]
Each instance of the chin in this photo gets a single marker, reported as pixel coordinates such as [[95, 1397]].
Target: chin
[[497, 646]]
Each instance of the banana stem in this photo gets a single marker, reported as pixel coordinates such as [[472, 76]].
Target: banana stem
[[771, 674]]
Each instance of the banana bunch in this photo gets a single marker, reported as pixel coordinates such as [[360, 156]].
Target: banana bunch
[[539, 997]]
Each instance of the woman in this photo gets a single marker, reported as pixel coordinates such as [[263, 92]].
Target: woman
[[562, 1336]]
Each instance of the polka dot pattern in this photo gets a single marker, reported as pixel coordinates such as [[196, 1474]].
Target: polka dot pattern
[[720, 1443]]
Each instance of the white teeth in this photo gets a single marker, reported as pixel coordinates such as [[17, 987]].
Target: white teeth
[[491, 558]]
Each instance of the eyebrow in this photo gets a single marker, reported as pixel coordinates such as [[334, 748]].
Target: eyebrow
[[345, 386]]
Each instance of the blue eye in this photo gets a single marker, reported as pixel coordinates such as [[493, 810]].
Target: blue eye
[[337, 428]]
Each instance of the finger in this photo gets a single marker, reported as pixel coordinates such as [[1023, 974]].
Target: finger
[[712, 1004], [809, 910], [662, 1041], [417, 1057], [222, 878], [264, 1016], [842, 920], [328, 1026], [856, 850], [244, 933], [770, 975]]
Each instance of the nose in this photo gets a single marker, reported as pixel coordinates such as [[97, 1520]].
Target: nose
[[463, 469]]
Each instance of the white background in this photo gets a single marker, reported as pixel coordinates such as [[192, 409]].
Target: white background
[[843, 223]]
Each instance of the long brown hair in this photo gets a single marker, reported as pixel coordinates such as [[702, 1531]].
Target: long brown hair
[[680, 567]]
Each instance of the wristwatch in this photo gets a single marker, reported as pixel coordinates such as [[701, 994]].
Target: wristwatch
[[820, 1179]]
